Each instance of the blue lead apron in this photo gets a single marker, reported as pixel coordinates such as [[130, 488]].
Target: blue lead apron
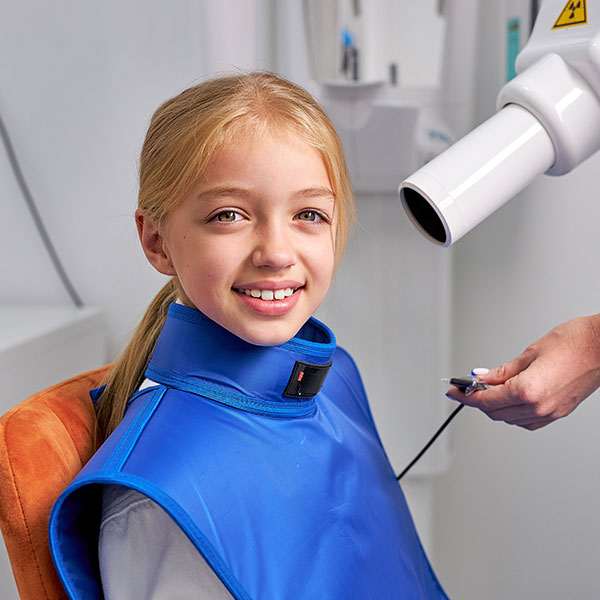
[[285, 490]]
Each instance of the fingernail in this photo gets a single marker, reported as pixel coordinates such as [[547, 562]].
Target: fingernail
[[478, 371], [450, 397]]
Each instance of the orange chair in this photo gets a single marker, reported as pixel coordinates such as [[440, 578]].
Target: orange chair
[[44, 443]]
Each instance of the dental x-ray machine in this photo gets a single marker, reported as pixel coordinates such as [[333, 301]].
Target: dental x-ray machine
[[548, 121]]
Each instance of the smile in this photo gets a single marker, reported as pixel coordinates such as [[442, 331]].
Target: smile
[[268, 294]]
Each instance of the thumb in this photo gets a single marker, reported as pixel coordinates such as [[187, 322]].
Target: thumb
[[504, 372]]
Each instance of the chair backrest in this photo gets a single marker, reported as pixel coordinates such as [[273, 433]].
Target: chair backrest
[[44, 443]]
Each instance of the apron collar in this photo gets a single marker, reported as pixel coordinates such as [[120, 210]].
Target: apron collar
[[195, 354]]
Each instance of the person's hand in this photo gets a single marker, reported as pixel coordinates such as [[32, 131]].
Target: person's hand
[[547, 381]]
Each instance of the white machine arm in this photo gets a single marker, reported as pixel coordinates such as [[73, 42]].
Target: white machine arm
[[548, 122]]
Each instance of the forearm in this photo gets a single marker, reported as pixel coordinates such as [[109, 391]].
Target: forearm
[[594, 325]]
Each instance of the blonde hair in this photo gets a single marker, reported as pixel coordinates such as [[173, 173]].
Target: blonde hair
[[185, 133]]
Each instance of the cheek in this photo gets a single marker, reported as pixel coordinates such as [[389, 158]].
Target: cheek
[[323, 261], [210, 265]]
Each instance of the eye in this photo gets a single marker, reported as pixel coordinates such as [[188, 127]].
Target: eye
[[227, 216], [309, 216]]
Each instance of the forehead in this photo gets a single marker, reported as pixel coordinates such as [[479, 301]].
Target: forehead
[[249, 153]]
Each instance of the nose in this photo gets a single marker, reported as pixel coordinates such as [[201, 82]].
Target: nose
[[274, 248]]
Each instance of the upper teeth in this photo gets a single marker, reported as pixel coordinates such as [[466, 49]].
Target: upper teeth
[[269, 294]]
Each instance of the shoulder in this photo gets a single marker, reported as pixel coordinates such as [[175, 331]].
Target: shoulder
[[343, 359], [143, 553], [345, 383], [119, 502], [344, 366]]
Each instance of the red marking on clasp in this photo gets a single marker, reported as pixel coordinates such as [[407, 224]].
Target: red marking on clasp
[[301, 376]]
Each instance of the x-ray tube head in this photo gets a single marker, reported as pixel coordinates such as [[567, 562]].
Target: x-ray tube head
[[459, 188], [548, 122]]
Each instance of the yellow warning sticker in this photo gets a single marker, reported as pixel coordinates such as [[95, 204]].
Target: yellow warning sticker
[[574, 13]]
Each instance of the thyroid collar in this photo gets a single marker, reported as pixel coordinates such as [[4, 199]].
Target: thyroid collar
[[195, 354]]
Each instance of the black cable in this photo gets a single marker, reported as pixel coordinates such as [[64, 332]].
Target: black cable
[[435, 437], [14, 163]]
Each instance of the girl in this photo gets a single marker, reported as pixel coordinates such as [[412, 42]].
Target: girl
[[241, 458]]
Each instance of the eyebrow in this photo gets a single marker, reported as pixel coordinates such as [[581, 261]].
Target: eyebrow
[[222, 191], [313, 192]]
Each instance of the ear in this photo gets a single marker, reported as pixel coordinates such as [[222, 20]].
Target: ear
[[155, 247]]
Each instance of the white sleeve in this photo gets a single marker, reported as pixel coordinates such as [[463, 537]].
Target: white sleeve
[[144, 555]]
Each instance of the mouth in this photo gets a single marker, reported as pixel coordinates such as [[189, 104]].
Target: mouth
[[269, 295]]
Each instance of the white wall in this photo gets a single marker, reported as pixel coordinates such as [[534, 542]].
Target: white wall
[[516, 513], [407, 34], [78, 84]]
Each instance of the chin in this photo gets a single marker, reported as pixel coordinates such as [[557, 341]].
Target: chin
[[264, 341], [268, 338]]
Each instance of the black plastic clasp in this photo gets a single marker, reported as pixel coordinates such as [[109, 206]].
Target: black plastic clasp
[[306, 380]]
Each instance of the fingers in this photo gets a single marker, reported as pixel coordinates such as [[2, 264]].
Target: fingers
[[522, 415], [519, 414], [508, 370], [500, 396], [531, 423], [537, 425], [514, 398]]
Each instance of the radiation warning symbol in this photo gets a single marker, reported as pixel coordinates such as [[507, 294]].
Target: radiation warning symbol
[[574, 13]]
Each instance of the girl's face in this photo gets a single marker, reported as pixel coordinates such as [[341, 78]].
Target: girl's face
[[253, 243]]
